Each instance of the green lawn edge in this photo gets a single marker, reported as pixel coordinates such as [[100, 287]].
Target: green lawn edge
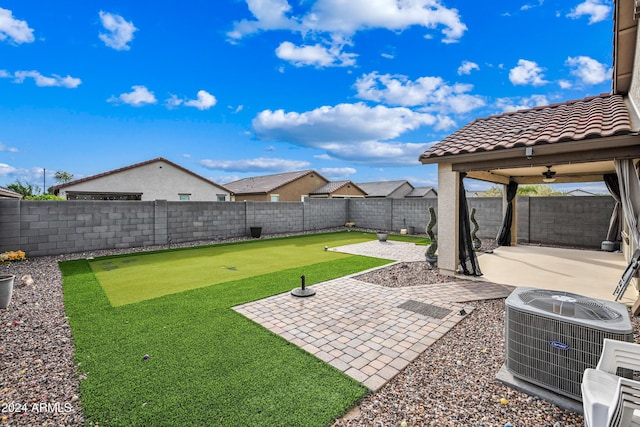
[[208, 365]]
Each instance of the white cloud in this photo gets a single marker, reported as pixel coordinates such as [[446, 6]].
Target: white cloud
[[565, 84], [40, 80], [337, 173], [596, 10], [5, 169], [9, 149], [204, 101], [120, 32], [527, 72], [431, 93], [348, 131], [173, 102], [4, 74], [259, 164], [16, 30], [138, 97], [466, 67], [532, 5], [344, 18], [589, 70], [508, 105], [315, 55]]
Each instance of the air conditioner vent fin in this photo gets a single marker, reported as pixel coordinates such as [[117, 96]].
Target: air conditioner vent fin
[[567, 304]]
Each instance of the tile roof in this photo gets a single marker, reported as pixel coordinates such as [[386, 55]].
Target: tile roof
[[136, 165], [266, 183], [594, 117], [332, 186], [381, 188]]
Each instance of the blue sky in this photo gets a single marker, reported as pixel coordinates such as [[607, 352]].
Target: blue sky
[[354, 89]]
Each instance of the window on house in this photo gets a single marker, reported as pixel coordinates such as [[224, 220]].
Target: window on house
[[222, 197], [275, 197], [184, 197]]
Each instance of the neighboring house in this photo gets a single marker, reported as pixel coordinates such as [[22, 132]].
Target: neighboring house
[[5, 193], [280, 187], [578, 192], [338, 190], [474, 194], [422, 193], [386, 189], [156, 179]]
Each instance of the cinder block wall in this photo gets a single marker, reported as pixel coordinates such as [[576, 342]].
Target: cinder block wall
[[205, 220], [577, 221], [51, 228], [280, 217], [320, 214], [488, 215], [412, 213], [56, 227], [372, 213]]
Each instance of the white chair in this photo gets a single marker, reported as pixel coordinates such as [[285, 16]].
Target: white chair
[[609, 400]]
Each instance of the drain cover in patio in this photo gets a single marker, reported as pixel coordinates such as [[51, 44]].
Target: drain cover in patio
[[428, 310]]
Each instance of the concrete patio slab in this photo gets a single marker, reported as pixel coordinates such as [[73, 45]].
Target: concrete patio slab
[[593, 274]]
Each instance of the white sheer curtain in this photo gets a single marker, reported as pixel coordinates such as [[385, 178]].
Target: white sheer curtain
[[630, 197]]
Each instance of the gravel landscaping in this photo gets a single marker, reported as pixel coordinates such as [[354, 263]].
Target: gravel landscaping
[[451, 384]]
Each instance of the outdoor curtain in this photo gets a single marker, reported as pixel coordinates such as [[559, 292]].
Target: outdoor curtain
[[615, 224], [504, 235], [630, 197], [468, 258]]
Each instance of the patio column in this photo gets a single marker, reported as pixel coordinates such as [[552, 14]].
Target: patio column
[[514, 219], [448, 216]]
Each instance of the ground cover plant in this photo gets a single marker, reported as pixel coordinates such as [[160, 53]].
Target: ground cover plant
[[188, 359]]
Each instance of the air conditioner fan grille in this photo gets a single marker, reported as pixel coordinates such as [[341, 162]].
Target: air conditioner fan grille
[[567, 304]]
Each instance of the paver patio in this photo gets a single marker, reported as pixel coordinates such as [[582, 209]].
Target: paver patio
[[371, 332]]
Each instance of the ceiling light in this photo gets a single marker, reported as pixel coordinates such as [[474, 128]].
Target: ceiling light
[[549, 175]]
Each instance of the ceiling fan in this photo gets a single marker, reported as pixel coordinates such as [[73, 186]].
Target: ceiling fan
[[548, 175]]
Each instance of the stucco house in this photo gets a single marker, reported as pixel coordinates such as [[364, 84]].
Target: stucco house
[[155, 179], [386, 189], [422, 193], [338, 190], [280, 187]]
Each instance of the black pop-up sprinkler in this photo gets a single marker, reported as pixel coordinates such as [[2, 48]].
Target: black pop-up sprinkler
[[303, 291]]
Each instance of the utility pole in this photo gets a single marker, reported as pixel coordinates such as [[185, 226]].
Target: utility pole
[[44, 180]]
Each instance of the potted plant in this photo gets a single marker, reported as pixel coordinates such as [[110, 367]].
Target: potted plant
[[255, 232], [6, 289], [477, 243], [430, 254]]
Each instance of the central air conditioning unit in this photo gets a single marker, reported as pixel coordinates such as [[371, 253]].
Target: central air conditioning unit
[[551, 337]]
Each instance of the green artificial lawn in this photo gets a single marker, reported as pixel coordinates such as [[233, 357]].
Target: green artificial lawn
[[207, 365], [134, 278]]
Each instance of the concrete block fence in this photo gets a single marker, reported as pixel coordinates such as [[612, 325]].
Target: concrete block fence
[[57, 227]]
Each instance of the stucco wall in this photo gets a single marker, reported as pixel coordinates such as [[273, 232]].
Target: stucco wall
[[156, 181]]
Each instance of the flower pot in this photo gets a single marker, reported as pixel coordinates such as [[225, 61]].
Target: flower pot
[[255, 232], [382, 237], [6, 289]]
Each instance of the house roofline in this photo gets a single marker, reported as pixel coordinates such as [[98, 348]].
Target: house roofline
[[58, 187]]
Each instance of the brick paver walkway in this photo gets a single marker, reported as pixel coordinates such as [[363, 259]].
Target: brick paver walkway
[[370, 332]]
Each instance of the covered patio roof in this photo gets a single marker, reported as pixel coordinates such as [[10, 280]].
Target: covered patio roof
[[577, 139]]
